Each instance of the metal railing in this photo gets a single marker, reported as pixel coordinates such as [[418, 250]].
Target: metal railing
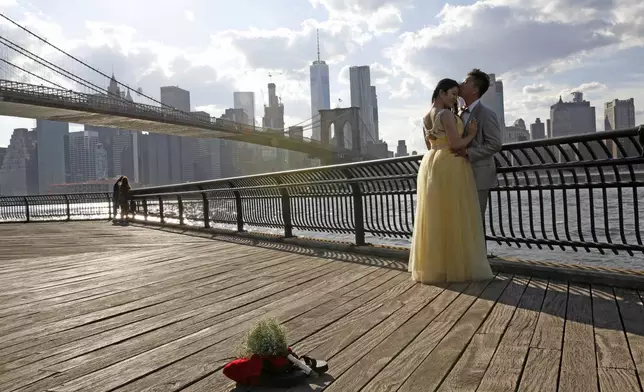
[[59, 207], [69, 99], [579, 192]]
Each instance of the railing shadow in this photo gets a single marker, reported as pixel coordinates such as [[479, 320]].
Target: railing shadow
[[348, 257], [601, 307]]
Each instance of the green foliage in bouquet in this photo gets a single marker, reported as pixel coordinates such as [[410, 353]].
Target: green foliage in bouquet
[[266, 338]]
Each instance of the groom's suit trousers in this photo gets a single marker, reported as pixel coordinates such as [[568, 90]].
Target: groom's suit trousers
[[483, 196]]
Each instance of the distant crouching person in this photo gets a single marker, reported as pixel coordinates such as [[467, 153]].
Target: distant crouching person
[[115, 196], [124, 197]]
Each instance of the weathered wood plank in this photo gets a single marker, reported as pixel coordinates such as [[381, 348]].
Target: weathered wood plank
[[541, 369], [550, 327], [470, 368], [97, 351], [396, 371], [369, 354], [578, 361], [166, 312], [209, 361], [133, 368], [433, 369], [508, 360], [610, 340], [618, 380], [168, 316], [632, 312]]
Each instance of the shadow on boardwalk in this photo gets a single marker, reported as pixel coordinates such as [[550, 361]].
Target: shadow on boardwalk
[[602, 306], [91, 306]]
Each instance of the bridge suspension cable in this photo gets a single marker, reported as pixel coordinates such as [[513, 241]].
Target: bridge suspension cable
[[53, 67], [31, 73], [77, 59], [310, 123], [84, 81]]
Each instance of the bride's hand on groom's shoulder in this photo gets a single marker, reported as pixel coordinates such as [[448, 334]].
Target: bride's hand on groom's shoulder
[[472, 127]]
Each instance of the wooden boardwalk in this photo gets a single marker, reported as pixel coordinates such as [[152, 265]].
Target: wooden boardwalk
[[95, 307]]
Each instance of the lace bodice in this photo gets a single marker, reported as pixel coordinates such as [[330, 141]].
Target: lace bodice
[[439, 137]]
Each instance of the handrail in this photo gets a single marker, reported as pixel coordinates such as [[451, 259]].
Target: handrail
[[581, 193], [56, 207], [555, 192]]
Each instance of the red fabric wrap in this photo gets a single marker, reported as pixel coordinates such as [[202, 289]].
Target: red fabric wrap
[[249, 371]]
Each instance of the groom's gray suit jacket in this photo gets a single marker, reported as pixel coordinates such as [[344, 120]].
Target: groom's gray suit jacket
[[486, 143]]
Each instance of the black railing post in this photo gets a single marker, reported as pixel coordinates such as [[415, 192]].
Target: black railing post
[[205, 210], [67, 210], [238, 207], [640, 134], [110, 206], [161, 215], [180, 207], [286, 210], [358, 209], [358, 213], [27, 214]]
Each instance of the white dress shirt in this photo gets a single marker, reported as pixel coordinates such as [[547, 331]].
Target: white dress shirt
[[466, 115]]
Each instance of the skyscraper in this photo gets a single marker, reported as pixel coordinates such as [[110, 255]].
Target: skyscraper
[[320, 91], [274, 111], [18, 171], [87, 157], [401, 149], [245, 100], [231, 150], [361, 97], [620, 114], [51, 153], [208, 155], [572, 118], [537, 130], [374, 102], [493, 99], [517, 132], [180, 149], [273, 121]]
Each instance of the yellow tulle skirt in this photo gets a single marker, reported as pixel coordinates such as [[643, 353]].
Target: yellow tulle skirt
[[448, 242]]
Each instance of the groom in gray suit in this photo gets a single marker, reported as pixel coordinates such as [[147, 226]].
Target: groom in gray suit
[[487, 141]]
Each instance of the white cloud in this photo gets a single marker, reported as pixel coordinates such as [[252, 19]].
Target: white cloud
[[380, 16], [534, 88], [541, 50], [495, 37]]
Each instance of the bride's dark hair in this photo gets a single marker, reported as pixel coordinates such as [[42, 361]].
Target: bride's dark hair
[[443, 86]]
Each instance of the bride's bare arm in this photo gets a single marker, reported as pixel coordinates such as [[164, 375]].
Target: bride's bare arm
[[428, 144], [455, 141]]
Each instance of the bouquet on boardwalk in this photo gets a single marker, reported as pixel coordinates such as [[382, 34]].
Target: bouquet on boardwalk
[[264, 358]]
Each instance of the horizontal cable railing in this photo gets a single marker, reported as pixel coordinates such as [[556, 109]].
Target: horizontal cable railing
[[577, 192], [58, 207]]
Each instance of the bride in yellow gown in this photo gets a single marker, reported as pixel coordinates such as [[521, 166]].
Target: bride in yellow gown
[[448, 242]]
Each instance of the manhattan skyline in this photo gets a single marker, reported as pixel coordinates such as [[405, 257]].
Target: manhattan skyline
[[280, 39]]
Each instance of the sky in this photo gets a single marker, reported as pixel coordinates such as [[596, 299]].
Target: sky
[[541, 49]]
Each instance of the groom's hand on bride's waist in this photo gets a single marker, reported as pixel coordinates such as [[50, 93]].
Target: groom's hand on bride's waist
[[461, 152]]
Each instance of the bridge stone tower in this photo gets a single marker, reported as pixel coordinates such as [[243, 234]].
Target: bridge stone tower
[[342, 119]]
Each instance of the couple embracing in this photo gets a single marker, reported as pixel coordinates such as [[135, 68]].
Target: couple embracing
[[454, 179]]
